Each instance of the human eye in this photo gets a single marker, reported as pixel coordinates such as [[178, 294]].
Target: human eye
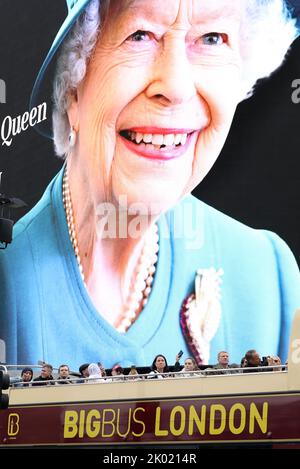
[[214, 39], [140, 36]]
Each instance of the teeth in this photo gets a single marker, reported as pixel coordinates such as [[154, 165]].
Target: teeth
[[177, 139], [139, 137], [184, 138], [147, 138], [169, 140], [158, 139]]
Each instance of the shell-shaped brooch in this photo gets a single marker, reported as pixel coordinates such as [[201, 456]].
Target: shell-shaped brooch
[[200, 313]]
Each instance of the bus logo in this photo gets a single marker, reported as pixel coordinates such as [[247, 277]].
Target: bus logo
[[13, 426]]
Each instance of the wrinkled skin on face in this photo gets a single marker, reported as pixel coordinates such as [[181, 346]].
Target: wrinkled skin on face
[[158, 71], [151, 115]]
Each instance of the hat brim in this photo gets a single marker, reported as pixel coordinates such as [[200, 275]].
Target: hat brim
[[42, 89]]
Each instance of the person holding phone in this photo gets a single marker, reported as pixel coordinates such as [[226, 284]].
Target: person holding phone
[[178, 356]]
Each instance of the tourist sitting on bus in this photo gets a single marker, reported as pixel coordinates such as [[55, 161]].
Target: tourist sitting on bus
[[190, 366], [275, 360], [223, 363], [133, 373], [26, 377], [159, 367], [254, 362], [95, 374], [45, 377], [118, 373], [244, 362], [64, 375], [102, 369], [84, 372]]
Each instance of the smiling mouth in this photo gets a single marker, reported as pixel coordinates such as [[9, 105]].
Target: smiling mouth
[[164, 145], [156, 141]]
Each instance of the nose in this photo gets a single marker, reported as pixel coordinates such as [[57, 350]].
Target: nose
[[173, 79]]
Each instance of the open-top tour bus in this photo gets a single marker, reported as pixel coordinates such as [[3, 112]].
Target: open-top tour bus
[[230, 409]]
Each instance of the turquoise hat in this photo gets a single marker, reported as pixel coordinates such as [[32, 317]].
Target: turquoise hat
[[42, 89], [75, 8]]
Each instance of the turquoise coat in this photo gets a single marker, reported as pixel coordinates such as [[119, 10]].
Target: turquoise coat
[[47, 314]]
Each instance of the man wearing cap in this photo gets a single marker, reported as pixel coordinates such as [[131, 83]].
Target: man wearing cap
[[26, 377]]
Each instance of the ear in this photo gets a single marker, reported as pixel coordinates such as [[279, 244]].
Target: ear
[[73, 113]]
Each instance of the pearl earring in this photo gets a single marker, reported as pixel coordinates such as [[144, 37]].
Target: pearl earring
[[72, 138]]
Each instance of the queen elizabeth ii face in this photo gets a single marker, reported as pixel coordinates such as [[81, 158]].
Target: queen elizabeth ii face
[[158, 98]]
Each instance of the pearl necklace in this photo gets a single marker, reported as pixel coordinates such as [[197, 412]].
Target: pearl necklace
[[141, 285]]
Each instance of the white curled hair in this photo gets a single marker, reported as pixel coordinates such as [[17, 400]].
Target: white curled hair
[[265, 39], [267, 31], [70, 71]]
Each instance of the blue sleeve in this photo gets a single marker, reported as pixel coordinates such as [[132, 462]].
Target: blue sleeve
[[289, 284]]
